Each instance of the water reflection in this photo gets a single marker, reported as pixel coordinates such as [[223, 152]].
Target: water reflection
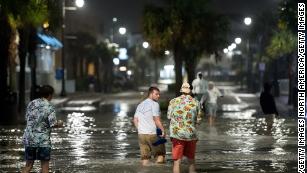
[[106, 141], [79, 129], [122, 125]]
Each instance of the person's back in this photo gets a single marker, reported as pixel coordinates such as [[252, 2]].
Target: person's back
[[145, 112], [200, 86], [182, 112], [40, 117], [267, 101]]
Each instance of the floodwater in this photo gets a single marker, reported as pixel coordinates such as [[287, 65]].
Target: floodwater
[[106, 141]]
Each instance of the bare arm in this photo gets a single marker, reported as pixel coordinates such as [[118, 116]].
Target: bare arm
[[58, 124], [136, 121]]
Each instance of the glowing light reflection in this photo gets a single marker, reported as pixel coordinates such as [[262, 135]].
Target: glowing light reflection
[[78, 126]]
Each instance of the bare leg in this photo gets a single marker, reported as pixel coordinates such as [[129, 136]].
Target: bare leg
[[210, 120], [160, 159], [145, 162], [176, 167], [28, 167], [45, 166], [213, 119], [191, 166]]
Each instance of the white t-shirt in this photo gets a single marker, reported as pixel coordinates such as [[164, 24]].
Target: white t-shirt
[[213, 95], [145, 112], [200, 86]]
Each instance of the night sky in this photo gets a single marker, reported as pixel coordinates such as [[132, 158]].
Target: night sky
[[99, 13]]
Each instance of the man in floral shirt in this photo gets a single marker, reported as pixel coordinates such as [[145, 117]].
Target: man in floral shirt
[[40, 117], [184, 114]]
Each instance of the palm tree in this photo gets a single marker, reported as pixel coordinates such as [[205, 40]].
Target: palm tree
[[188, 28], [284, 41], [5, 36], [101, 55], [25, 15]]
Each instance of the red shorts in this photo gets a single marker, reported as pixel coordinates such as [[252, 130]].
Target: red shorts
[[182, 148]]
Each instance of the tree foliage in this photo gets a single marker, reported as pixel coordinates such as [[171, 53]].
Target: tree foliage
[[283, 42], [188, 28]]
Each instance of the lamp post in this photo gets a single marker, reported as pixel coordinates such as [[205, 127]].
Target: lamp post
[[114, 20], [79, 3], [248, 22]]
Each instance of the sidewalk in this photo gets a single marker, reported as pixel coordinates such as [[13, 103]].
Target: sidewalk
[[283, 108], [281, 102], [92, 97]]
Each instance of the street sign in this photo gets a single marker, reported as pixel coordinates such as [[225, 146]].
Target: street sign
[[261, 66]]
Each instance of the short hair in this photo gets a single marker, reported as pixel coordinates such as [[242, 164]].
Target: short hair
[[46, 91], [152, 88], [200, 74]]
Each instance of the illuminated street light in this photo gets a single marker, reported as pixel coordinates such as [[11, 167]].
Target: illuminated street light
[[114, 19], [167, 52], [238, 40], [46, 25], [247, 21], [122, 30], [233, 45], [116, 61], [249, 59], [225, 50], [145, 44], [79, 3]]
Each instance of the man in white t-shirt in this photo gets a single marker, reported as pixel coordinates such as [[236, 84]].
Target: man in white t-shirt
[[147, 120], [200, 86]]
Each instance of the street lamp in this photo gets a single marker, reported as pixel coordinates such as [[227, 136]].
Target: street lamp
[[79, 4], [238, 40], [248, 22], [114, 20], [122, 30], [145, 44], [167, 52]]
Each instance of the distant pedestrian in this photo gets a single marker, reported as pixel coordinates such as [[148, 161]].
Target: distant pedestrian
[[147, 120], [200, 86], [268, 106], [267, 101], [40, 118], [184, 114], [209, 102]]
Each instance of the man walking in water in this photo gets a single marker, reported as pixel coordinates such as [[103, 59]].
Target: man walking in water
[[184, 114], [200, 86], [147, 120]]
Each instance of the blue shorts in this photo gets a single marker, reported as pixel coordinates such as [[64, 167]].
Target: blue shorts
[[211, 109], [37, 153]]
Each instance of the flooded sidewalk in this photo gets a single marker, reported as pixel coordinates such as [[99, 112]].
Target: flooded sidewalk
[[105, 140]]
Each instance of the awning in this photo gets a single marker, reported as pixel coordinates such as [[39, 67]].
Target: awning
[[50, 40]]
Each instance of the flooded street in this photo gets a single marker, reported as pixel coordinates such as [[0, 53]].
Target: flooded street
[[105, 140]]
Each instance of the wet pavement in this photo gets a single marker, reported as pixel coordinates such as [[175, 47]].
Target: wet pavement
[[101, 138]]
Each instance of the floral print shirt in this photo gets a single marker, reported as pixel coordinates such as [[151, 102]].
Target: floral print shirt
[[183, 112], [40, 117]]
